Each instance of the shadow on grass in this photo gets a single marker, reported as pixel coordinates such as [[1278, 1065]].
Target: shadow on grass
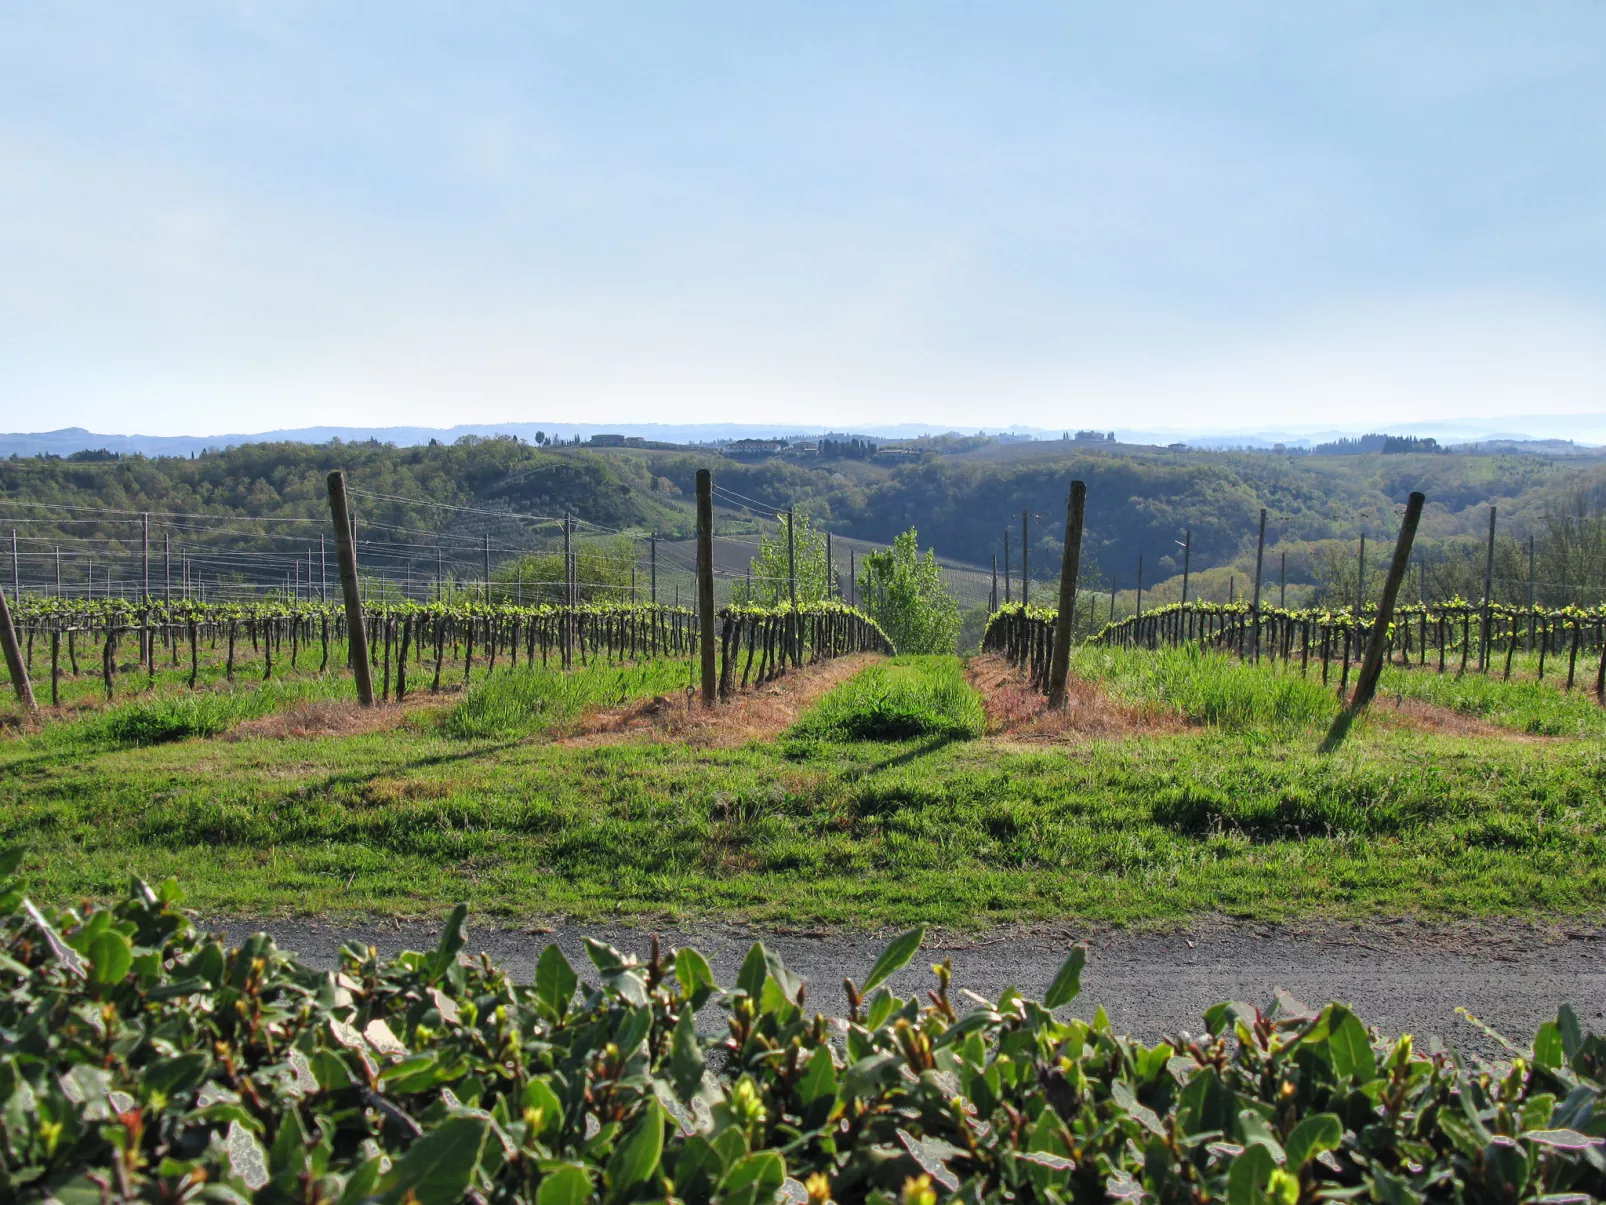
[[925, 748], [1339, 730]]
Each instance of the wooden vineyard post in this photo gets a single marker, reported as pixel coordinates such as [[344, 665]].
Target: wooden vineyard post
[[1070, 565], [1532, 616], [1372, 666], [652, 544], [1187, 563], [356, 631], [19, 671], [1260, 556], [792, 634], [705, 581], [568, 591], [1025, 553], [1006, 566], [1488, 598]]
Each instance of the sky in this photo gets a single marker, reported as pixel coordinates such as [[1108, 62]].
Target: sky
[[230, 217]]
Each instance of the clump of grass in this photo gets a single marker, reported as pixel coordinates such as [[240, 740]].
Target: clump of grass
[[1210, 687], [527, 700], [1526, 705], [899, 700], [179, 716]]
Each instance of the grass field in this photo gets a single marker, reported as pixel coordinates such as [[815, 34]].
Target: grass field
[[826, 824]]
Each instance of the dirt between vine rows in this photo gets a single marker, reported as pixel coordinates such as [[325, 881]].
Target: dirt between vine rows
[[756, 714], [1016, 711], [1404, 977]]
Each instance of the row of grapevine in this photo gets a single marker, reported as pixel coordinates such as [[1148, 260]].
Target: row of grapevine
[[1454, 635], [440, 641], [778, 636]]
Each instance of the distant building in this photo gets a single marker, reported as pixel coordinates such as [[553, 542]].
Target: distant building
[[1094, 437], [754, 449]]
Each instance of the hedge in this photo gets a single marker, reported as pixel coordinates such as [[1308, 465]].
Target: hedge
[[142, 1059]]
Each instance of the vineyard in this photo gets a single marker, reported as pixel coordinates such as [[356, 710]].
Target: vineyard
[[1454, 636], [439, 644]]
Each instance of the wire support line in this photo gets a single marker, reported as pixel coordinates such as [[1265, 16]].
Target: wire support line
[[726, 490], [469, 510]]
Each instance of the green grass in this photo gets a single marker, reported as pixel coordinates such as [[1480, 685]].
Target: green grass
[[1523, 704], [1155, 829], [925, 696], [531, 699], [152, 718], [1210, 687]]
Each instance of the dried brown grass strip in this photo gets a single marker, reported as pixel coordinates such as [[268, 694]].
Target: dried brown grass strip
[[1017, 712], [759, 714]]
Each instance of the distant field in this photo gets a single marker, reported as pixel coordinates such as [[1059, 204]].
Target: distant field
[[1202, 795]]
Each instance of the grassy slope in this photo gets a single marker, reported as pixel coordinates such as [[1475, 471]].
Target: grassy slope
[[1155, 828]]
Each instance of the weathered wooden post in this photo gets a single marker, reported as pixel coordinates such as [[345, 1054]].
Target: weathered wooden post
[[1488, 598], [356, 630], [1260, 556], [1372, 666], [1025, 555], [1070, 564], [19, 671], [705, 581], [1006, 566]]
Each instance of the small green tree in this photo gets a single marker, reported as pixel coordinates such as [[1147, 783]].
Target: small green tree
[[904, 593], [770, 570], [602, 569]]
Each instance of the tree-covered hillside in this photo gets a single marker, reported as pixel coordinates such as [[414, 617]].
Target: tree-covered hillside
[[1140, 501]]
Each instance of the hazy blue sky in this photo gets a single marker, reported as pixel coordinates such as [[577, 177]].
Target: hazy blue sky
[[227, 217]]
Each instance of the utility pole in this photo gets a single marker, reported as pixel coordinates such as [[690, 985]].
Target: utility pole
[[1070, 564], [1260, 556], [356, 632], [1488, 597], [1025, 568], [705, 580]]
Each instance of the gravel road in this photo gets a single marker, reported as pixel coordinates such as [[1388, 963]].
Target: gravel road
[[1404, 978]]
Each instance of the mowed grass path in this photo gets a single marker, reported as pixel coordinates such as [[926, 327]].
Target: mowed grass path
[[1243, 818]]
